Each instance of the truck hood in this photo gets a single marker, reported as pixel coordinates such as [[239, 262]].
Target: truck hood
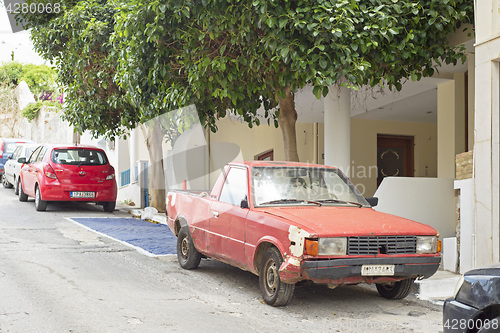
[[330, 221]]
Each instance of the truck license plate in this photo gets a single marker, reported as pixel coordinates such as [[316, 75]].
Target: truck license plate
[[370, 270], [82, 194]]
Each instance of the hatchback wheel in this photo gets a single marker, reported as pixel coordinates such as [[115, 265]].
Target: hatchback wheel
[[109, 206], [22, 196], [40, 205], [5, 182]]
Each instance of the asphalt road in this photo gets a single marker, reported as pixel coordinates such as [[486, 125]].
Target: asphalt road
[[56, 276]]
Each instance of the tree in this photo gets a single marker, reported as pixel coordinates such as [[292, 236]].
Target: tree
[[127, 61], [232, 56]]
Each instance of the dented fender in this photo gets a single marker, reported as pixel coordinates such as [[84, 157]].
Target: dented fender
[[290, 270]]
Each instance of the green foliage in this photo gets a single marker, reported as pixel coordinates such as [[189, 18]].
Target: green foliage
[[40, 78], [10, 72], [129, 61], [30, 112], [77, 41]]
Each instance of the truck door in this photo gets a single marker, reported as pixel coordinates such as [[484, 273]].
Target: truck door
[[228, 220]]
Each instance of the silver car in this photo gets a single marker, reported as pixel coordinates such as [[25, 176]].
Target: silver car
[[14, 164]]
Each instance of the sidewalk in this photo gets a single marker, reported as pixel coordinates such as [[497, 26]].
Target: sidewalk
[[438, 287]]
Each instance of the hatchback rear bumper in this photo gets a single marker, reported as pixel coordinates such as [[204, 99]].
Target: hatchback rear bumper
[[57, 192]]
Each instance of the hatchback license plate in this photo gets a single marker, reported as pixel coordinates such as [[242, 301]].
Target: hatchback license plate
[[370, 270], [82, 194]]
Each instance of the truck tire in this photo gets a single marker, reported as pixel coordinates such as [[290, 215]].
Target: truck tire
[[187, 255], [273, 291], [396, 290]]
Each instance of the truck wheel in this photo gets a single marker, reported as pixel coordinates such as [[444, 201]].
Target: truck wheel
[[273, 291], [187, 255], [395, 290], [40, 205], [22, 196]]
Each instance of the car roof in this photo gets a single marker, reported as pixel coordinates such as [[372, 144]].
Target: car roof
[[20, 140], [70, 146], [280, 164]]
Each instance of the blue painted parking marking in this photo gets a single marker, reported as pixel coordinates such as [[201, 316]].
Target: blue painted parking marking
[[156, 239]]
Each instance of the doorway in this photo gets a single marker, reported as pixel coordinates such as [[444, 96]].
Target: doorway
[[395, 156]]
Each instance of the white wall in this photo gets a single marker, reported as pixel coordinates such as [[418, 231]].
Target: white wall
[[426, 200]]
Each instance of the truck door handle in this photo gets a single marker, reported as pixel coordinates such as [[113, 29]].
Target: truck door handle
[[216, 214]]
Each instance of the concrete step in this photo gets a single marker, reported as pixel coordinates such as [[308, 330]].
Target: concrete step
[[438, 287]]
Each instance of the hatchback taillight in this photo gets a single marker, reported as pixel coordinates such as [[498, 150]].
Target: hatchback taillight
[[111, 173], [49, 172]]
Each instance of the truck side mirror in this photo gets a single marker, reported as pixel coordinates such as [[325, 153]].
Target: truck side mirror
[[373, 201], [21, 160], [244, 203]]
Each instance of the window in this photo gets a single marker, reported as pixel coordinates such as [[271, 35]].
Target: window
[[16, 154], [33, 156], [235, 187], [42, 154], [79, 157], [266, 156]]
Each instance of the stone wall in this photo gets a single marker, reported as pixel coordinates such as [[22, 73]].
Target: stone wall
[[464, 165]]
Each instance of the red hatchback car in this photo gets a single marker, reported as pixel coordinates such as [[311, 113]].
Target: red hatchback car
[[68, 173]]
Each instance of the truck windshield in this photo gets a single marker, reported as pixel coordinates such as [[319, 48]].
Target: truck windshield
[[303, 185]]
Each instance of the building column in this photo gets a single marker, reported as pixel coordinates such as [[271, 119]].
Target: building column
[[486, 157], [446, 130], [132, 141], [337, 107]]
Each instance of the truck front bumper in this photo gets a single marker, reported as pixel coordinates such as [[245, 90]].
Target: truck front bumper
[[348, 271], [334, 269]]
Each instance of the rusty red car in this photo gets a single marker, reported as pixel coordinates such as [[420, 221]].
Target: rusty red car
[[288, 222], [68, 173]]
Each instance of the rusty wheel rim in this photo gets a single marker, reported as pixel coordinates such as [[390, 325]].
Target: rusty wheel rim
[[271, 277], [185, 247]]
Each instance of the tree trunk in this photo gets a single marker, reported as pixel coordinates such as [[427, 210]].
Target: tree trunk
[[286, 120], [156, 182]]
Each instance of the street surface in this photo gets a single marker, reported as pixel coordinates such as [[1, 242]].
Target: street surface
[[56, 276]]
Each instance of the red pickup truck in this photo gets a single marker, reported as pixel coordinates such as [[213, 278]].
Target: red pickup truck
[[288, 222]]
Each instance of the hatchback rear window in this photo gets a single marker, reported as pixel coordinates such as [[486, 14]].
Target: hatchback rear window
[[79, 157]]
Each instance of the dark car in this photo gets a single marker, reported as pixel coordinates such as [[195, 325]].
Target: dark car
[[476, 305], [7, 147]]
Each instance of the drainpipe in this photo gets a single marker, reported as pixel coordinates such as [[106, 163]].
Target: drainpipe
[[315, 144], [207, 165]]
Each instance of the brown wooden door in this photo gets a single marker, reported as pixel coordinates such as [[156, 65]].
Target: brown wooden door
[[394, 156]]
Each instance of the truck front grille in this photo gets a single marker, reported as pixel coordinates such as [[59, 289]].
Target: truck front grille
[[373, 245]]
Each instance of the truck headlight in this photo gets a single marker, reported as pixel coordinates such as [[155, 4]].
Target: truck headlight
[[426, 244], [332, 246]]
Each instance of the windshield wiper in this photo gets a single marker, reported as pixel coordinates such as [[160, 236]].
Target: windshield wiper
[[342, 201], [289, 200]]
